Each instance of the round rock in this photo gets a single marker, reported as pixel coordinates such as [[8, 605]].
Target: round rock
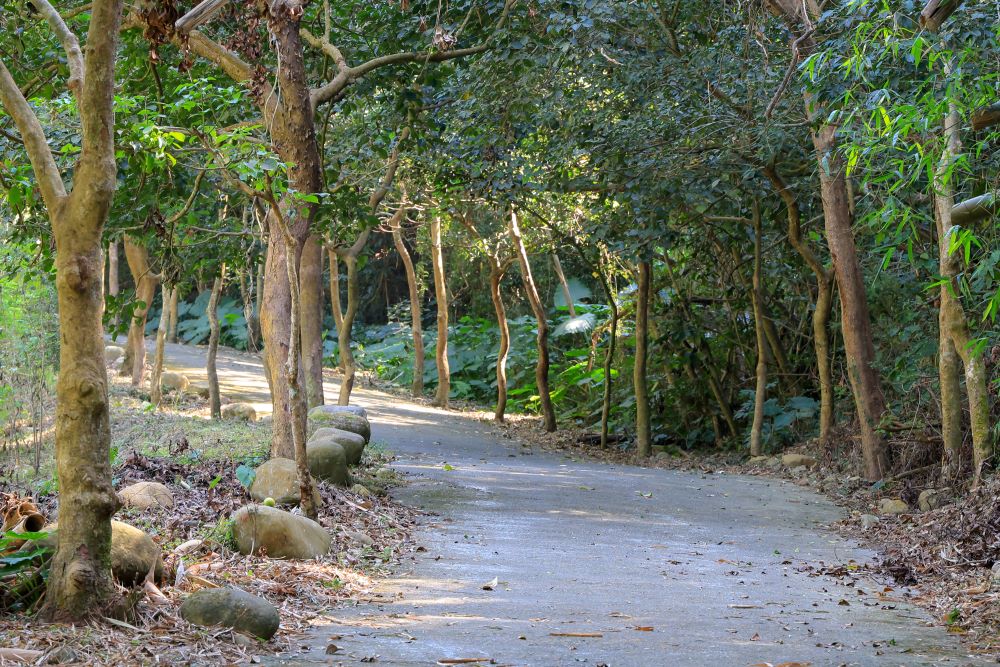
[[352, 409], [239, 412], [321, 416], [278, 534], [113, 353], [173, 381], [278, 478], [353, 444], [231, 608], [133, 552], [328, 461], [144, 495]]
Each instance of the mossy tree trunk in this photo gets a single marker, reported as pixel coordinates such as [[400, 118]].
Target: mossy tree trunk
[[640, 381]]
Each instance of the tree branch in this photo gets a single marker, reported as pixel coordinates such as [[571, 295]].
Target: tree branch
[[70, 44]]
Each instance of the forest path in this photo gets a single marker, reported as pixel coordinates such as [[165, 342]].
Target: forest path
[[717, 565]]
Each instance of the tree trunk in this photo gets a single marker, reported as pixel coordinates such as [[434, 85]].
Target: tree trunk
[[823, 305], [146, 282], [113, 288], [248, 312], [441, 295], [643, 429], [757, 294], [155, 388], [212, 310], [609, 353], [258, 304], [311, 277], [496, 275], [565, 285], [542, 367], [856, 322], [172, 321], [416, 326], [347, 364], [954, 331]]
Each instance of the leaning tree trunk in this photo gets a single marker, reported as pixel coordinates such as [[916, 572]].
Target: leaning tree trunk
[[823, 305], [348, 365], [146, 282], [567, 295], [79, 585], [441, 295], [496, 275], [417, 388], [542, 340], [757, 294], [954, 331], [311, 288], [155, 386], [643, 429], [212, 310]]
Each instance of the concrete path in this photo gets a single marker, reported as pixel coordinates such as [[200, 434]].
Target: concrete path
[[668, 568]]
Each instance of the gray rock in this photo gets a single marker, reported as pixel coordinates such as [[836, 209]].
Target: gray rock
[[796, 460], [353, 444], [278, 478], [239, 412], [133, 552], [892, 506], [200, 390], [995, 576], [328, 461], [361, 490], [321, 416], [231, 608], [144, 495], [773, 463], [113, 353], [869, 520], [172, 381], [359, 538], [754, 460], [278, 534], [353, 409], [930, 499]]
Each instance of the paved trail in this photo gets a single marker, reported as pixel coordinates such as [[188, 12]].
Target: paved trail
[[714, 564]]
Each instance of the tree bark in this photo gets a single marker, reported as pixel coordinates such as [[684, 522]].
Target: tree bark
[[155, 388], [311, 288], [347, 364], [172, 321], [416, 325], [565, 285], [79, 584], [146, 282], [954, 331], [822, 307], [212, 310], [609, 353], [542, 367], [497, 270], [113, 287], [757, 294], [643, 428], [441, 295]]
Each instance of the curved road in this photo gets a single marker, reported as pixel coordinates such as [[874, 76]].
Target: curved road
[[668, 568]]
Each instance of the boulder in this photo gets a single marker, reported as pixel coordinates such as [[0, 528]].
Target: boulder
[[278, 479], [352, 409], [353, 444], [144, 495], [279, 534], [113, 353], [321, 416], [133, 552], [930, 499], [173, 381], [362, 490], [328, 461], [231, 608], [796, 460], [359, 538], [200, 390], [239, 412], [892, 506], [868, 521]]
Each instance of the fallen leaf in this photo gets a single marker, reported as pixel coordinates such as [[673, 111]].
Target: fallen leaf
[[755, 638], [492, 585], [644, 628]]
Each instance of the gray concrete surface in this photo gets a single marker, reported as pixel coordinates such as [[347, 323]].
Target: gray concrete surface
[[721, 568]]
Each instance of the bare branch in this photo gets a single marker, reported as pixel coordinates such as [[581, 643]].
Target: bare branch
[[70, 44], [200, 14], [190, 200]]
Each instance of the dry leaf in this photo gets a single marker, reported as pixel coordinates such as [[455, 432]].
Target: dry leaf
[[491, 586]]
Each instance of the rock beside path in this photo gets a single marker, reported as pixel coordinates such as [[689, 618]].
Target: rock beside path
[[173, 381], [239, 412], [797, 460], [323, 416], [144, 495], [352, 409], [113, 353], [133, 552], [930, 499], [231, 608], [328, 461], [353, 444], [892, 506], [278, 534], [278, 478]]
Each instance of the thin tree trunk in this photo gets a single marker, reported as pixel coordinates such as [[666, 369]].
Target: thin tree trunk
[[113, 288], [172, 320], [565, 285], [496, 275], [258, 303], [416, 326], [609, 353], [145, 289], [757, 293], [212, 310], [347, 363], [247, 300], [542, 367], [643, 429], [155, 388], [441, 295], [954, 331], [823, 305], [311, 289]]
